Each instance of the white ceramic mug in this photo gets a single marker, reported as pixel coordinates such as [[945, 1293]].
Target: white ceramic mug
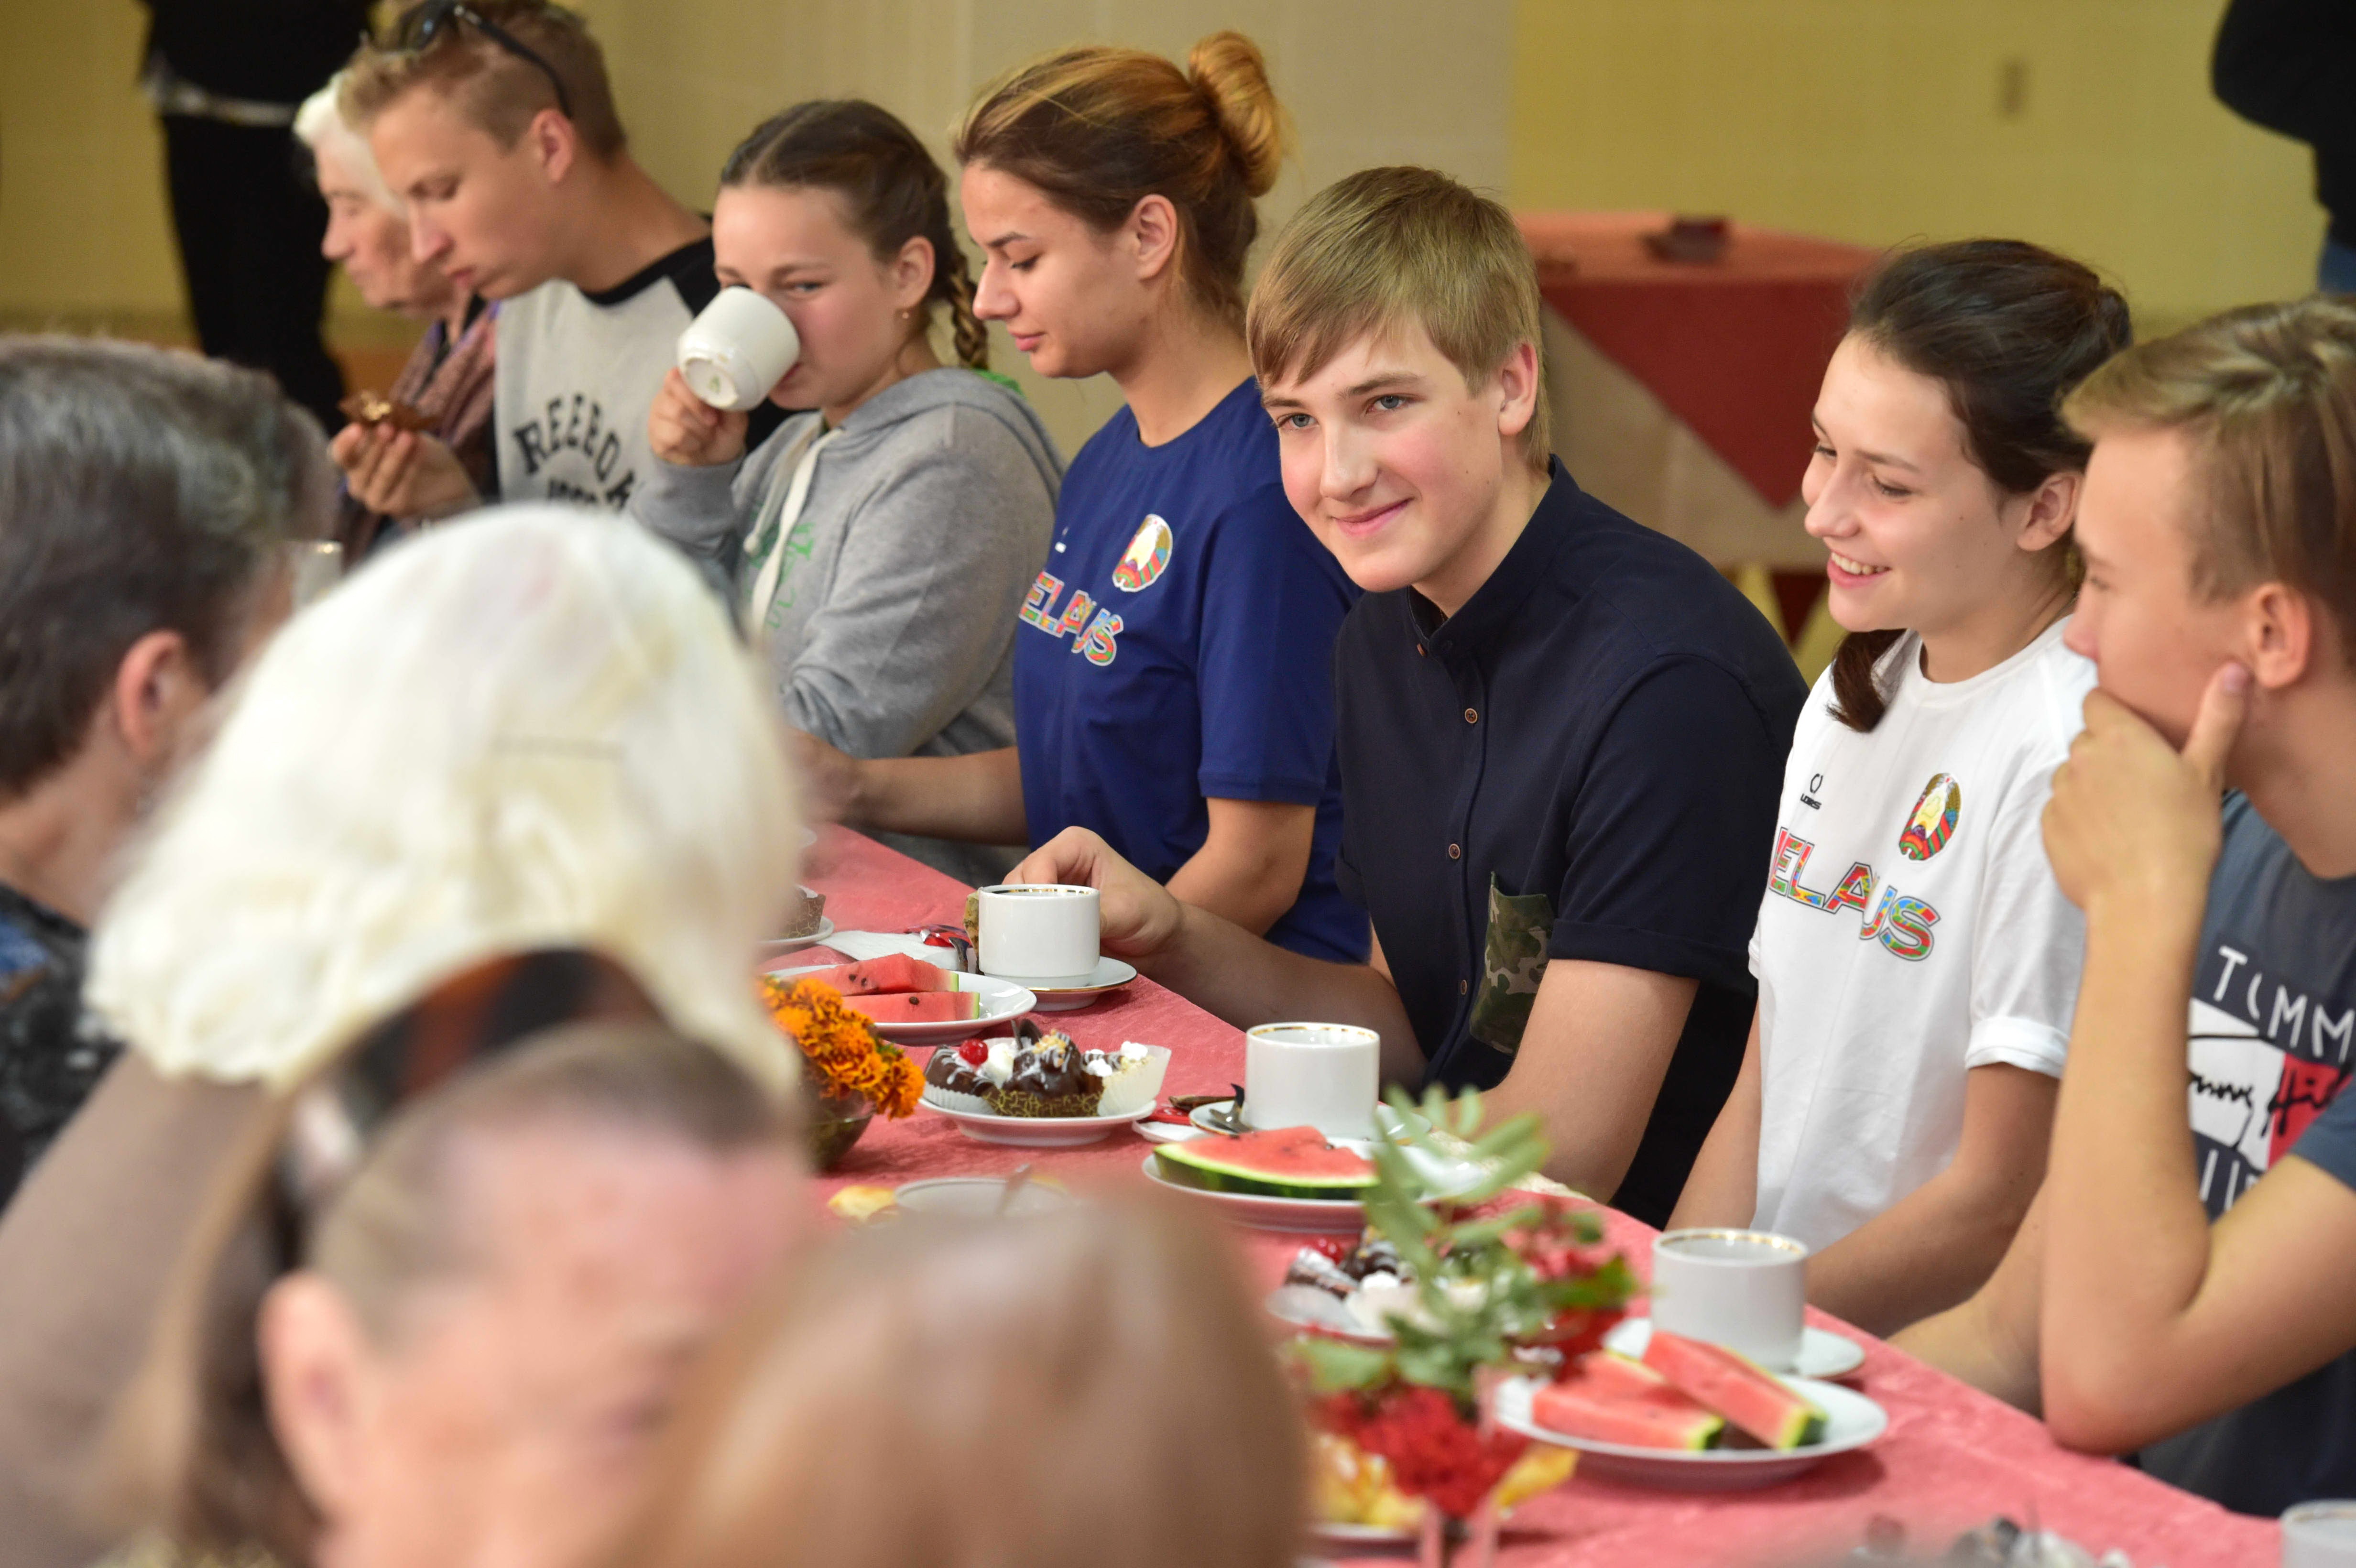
[[739, 347], [1325, 1077], [1045, 932], [2319, 1535], [1746, 1290]]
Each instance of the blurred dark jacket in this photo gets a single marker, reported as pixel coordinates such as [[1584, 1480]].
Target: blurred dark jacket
[[2290, 66]]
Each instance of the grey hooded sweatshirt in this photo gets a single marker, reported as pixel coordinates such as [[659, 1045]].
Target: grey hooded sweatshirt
[[889, 629]]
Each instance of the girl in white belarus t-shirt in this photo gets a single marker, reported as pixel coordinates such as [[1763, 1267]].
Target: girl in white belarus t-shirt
[[1917, 965]]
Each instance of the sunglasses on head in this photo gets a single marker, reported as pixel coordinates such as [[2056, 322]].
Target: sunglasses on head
[[421, 26]]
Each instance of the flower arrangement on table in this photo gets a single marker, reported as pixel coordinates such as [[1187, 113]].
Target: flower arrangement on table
[[851, 1072], [1495, 1271]]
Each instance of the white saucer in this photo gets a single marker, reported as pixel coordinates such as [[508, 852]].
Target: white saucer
[[785, 944], [1036, 1131], [1394, 1125], [1851, 1420], [1823, 1354], [1298, 1216], [1070, 995], [1000, 1003]]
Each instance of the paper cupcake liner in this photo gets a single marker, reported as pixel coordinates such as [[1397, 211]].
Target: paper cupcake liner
[[948, 1100], [1129, 1092]]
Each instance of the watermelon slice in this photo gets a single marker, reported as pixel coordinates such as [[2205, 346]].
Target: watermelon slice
[[875, 977], [918, 1006], [1611, 1399], [1284, 1162], [1737, 1388]]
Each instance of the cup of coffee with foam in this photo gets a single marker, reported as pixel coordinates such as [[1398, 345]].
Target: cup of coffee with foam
[[1044, 932], [1325, 1077], [737, 349], [1747, 1290]]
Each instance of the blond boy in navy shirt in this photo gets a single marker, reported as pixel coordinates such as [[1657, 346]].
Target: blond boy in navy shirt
[[1561, 734]]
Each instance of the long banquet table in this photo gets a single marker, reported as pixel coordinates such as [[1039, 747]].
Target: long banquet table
[[1953, 1458]]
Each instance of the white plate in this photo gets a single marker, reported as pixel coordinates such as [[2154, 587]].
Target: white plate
[[977, 1195], [1851, 1420], [1036, 1131], [1000, 1003], [785, 944], [1823, 1354], [1110, 975], [1297, 1216]]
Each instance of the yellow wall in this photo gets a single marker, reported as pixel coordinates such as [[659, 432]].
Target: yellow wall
[[1871, 119], [2083, 125]]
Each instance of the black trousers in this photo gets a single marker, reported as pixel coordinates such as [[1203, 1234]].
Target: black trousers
[[249, 225]]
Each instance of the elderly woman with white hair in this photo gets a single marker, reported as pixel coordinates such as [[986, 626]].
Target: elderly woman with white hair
[[447, 381], [536, 731]]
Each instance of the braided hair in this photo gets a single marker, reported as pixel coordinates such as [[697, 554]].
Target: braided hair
[[891, 191]]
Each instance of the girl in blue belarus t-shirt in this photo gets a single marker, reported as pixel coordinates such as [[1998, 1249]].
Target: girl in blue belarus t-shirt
[[1179, 645], [1173, 660]]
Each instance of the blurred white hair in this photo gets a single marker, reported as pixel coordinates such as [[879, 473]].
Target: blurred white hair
[[320, 125], [532, 728]]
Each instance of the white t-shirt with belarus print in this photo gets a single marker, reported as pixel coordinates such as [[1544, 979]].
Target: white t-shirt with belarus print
[[1912, 930]]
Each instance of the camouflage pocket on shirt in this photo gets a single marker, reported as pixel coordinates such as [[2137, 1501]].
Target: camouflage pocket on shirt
[[1513, 962]]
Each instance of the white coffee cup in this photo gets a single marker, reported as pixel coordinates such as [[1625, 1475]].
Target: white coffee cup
[[738, 348], [1746, 1290], [1325, 1077], [1045, 930], [2319, 1535]]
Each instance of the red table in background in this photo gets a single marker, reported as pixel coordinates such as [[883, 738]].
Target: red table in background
[[1953, 1459], [1682, 391]]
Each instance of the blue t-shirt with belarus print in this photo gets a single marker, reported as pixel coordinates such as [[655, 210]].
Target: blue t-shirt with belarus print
[[1179, 645], [2273, 1023]]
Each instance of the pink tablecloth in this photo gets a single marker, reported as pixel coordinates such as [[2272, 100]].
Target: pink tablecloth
[[1953, 1458]]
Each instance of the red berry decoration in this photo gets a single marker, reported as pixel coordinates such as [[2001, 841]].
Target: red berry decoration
[[973, 1053]]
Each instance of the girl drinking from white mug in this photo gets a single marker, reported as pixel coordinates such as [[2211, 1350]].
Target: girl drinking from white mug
[[1173, 682], [1917, 963], [881, 543]]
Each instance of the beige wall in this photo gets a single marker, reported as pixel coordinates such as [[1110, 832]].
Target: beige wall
[[1367, 81], [2084, 124]]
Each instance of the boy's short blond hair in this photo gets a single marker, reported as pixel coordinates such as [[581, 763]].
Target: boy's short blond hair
[[495, 88], [2265, 396], [1386, 246]]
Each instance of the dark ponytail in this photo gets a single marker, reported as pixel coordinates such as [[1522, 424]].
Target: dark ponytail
[[2007, 327], [891, 188]]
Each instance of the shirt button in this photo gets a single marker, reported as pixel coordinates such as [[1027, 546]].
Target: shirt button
[[1418, 650], [1470, 717], [1456, 851], [1463, 986]]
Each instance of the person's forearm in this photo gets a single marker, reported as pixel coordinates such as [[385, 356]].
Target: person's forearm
[[1974, 1343], [1249, 869], [1225, 969], [2129, 1241], [977, 798], [1924, 1253], [1723, 1189]]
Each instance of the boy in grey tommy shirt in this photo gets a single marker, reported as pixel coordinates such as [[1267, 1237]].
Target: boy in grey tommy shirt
[[891, 601]]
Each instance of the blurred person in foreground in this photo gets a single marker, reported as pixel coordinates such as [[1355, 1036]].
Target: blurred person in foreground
[[449, 1334], [144, 496], [447, 380], [2179, 1291], [965, 1394], [539, 729]]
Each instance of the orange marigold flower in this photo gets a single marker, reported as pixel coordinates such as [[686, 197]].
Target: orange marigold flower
[[844, 1053]]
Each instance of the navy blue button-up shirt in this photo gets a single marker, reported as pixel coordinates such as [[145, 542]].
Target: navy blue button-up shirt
[[1590, 752]]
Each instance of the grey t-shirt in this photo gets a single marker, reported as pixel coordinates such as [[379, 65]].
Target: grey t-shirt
[[2273, 1017]]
